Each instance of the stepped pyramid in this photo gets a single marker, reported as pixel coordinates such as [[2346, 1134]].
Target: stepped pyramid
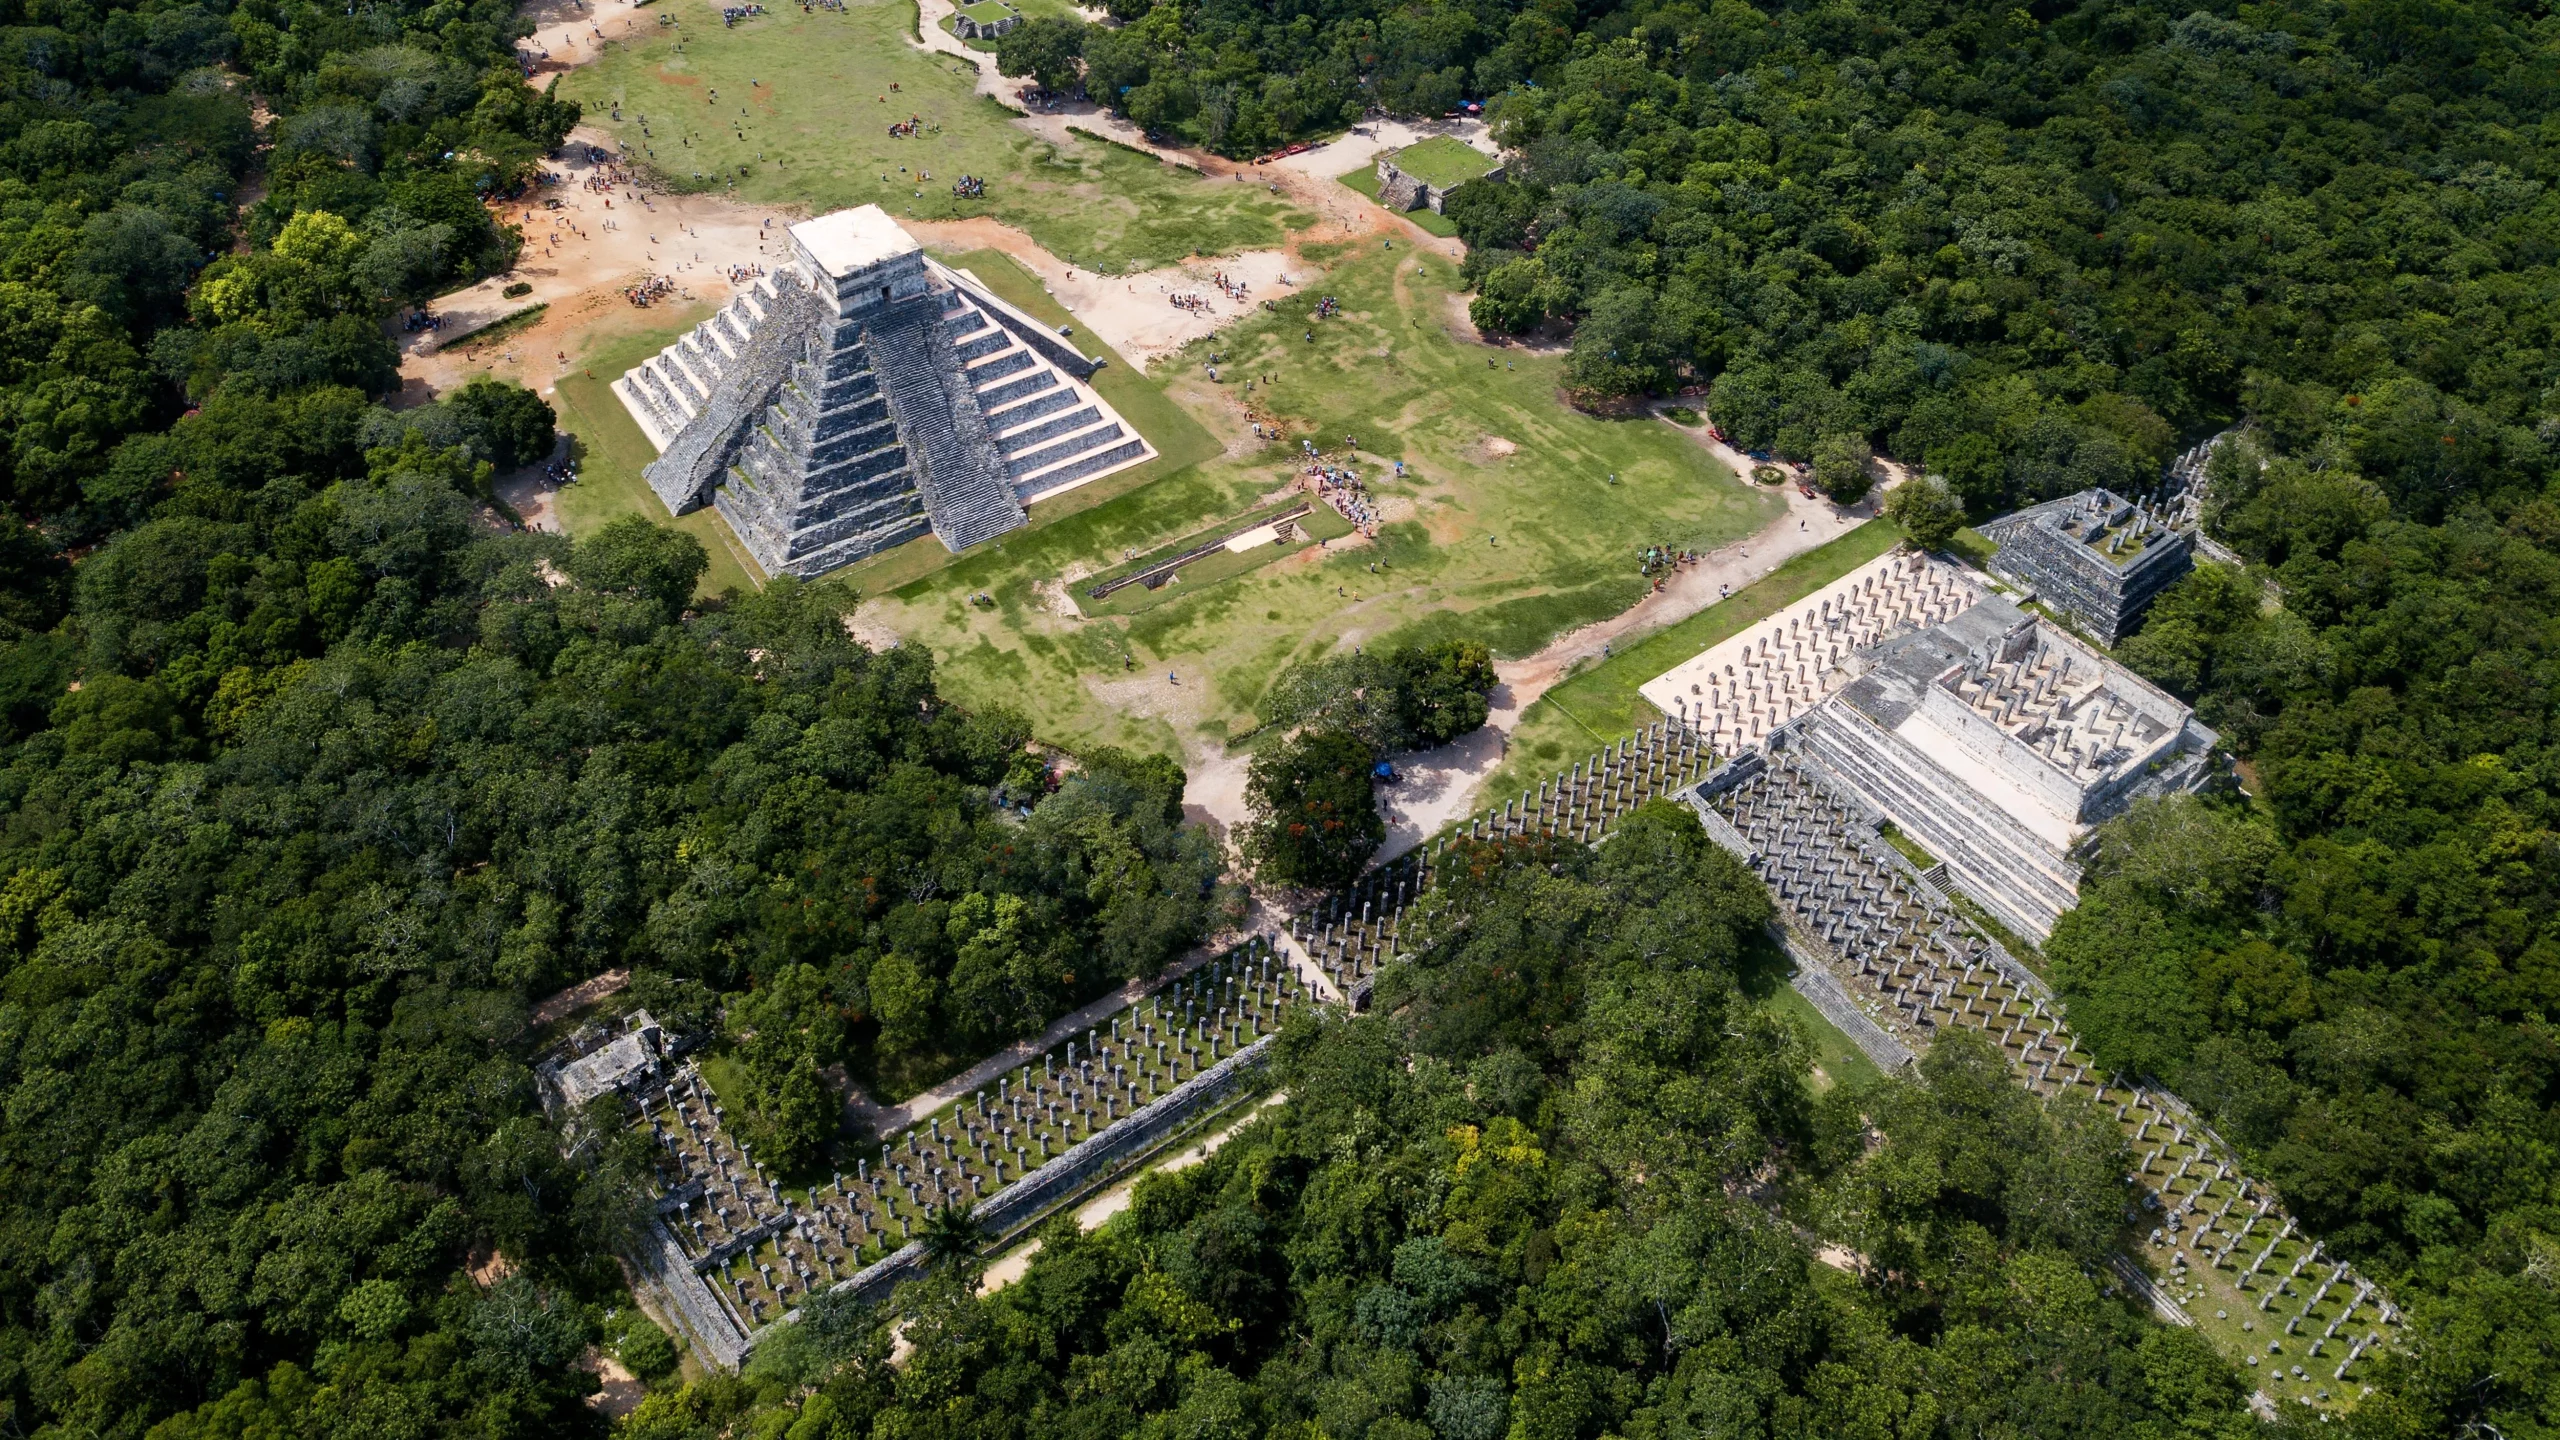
[[863, 394]]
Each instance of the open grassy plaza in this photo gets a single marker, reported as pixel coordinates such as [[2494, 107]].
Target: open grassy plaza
[[1442, 161], [796, 108], [1507, 528]]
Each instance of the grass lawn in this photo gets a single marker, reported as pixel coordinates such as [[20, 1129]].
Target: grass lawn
[[789, 87], [613, 451], [1506, 529], [1838, 1061], [1442, 161], [1598, 704], [1975, 547], [1365, 181]]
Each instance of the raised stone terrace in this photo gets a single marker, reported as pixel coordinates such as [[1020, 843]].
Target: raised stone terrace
[[734, 1248], [2096, 556], [863, 395], [1996, 740]]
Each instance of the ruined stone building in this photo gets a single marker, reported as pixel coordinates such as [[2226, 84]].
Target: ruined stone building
[[1992, 738], [863, 394], [2095, 556]]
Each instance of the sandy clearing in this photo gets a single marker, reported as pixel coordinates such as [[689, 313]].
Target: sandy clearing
[[618, 1392], [578, 258], [569, 33], [1135, 314]]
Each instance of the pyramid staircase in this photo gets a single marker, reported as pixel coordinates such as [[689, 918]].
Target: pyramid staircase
[[822, 437]]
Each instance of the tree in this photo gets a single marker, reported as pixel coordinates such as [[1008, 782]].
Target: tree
[[636, 557], [1406, 698], [1926, 509], [1841, 467], [647, 1351], [514, 423], [1046, 48], [794, 1122], [1315, 821], [952, 1234], [1974, 469], [1622, 345], [1512, 299], [1442, 688]]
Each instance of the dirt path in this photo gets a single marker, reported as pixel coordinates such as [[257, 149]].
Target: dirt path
[[1440, 786], [1135, 314], [1014, 1263]]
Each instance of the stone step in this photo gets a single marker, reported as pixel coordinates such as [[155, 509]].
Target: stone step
[[1006, 392], [1073, 446], [1090, 464], [680, 380], [1047, 402], [1012, 362], [1015, 442], [677, 402], [979, 347]]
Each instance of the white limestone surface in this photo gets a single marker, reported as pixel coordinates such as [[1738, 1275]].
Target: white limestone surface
[[1738, 690], [845, 241]]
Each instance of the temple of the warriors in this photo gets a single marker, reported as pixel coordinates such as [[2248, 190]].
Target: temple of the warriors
[[864, 394], [1992, 738]]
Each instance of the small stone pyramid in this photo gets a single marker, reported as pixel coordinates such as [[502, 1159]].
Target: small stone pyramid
[[864, 394]]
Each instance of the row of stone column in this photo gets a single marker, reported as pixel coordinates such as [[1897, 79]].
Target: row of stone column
[[1350, 935], [1928, 967]]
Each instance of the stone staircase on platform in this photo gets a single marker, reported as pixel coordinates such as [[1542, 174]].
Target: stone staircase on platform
[[864, 395]]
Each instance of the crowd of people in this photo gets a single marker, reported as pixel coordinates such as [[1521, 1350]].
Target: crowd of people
[[732, 14], [1327, 308], [740, 274], [809, 7], [417, 320], [648, 289], [1340, 487], [1659, 562], [969, 187], [911, 127]]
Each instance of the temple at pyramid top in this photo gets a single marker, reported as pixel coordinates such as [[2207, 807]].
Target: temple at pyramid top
[[863, 394]]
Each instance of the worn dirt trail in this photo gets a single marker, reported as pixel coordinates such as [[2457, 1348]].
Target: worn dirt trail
[[609, 233], [1441, 785]]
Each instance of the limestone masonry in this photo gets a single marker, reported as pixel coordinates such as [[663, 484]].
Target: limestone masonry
[[1993, 738], [864, 394], [1398, 190], [2096, 556]]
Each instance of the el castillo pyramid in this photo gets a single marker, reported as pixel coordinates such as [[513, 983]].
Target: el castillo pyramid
[[863, 394]]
